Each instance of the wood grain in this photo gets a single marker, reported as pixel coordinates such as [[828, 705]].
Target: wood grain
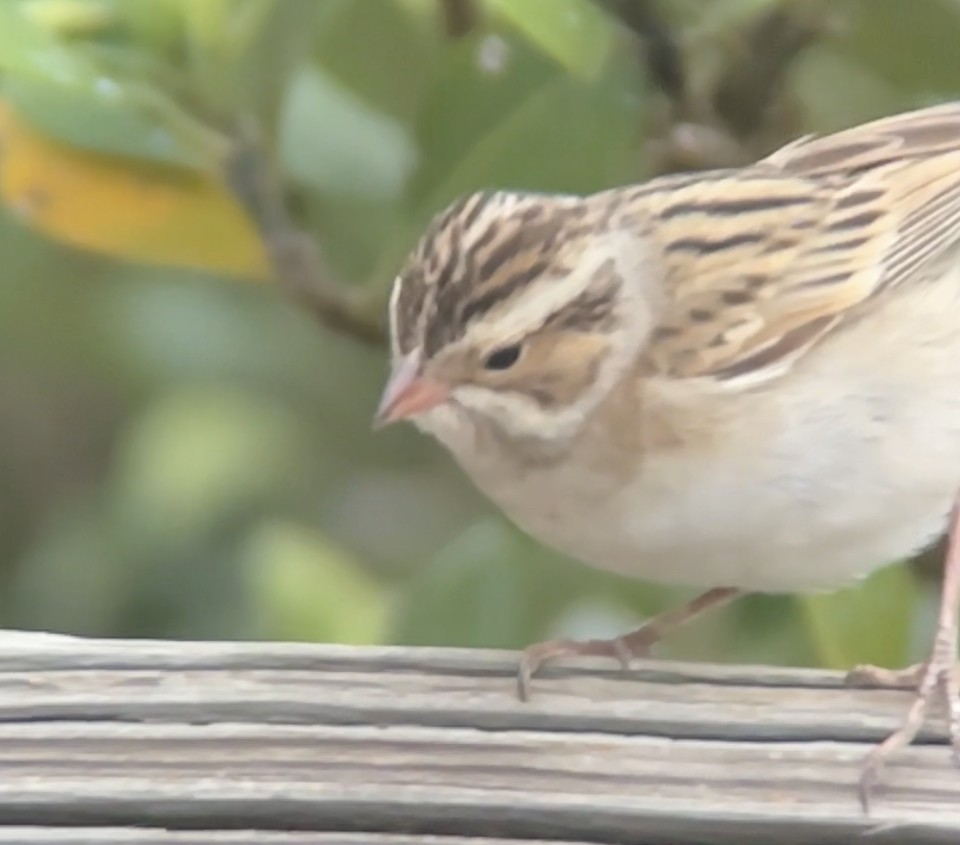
[[133, 836], [162, 742]]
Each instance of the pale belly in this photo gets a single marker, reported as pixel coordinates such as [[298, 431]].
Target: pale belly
[[851, 463], [816, 508], [744, 535]]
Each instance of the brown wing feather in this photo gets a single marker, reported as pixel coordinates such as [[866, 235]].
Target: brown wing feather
[[761, 263], [921, 133]]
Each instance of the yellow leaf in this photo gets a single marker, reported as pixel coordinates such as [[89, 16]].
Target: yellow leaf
[[124, 208]]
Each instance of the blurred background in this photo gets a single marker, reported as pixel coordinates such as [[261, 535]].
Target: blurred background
[[186, 388]]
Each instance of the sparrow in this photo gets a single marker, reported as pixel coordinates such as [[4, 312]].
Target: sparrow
[[741, 380]]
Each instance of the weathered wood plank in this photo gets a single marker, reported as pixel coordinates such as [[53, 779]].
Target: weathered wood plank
[[145, 836], [340, 685], [398, 741], [459, 781], [40, 650]]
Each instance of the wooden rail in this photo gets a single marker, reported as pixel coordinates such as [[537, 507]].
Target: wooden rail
[[130, 743]]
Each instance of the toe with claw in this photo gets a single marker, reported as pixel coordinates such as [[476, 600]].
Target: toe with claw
[[936, 680], [619, 648], [622, 649]]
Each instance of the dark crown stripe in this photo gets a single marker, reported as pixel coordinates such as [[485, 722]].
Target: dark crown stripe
[[484, 303]]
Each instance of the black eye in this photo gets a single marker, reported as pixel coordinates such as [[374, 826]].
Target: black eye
[[503, 359]]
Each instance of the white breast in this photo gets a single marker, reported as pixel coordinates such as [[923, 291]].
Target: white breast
[[850, 462]]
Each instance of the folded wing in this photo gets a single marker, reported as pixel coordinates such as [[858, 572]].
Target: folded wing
[[761, 263]]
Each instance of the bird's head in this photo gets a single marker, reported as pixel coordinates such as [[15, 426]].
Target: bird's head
[[520, 310]]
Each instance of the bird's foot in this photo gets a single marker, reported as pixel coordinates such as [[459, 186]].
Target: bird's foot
[[936, 680], [623, 649]]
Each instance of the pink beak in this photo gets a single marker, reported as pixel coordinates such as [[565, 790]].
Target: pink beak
[[408, 393]]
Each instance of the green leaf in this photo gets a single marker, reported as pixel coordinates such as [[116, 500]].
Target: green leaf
[[153, 24], [156, 26], [406, 46], [70, 579], [334, 142], [526, 125], [305, 588], [244, 52], [208, 22], [869, 623], [575, 33], [473, 593], [197, 459], [71, 17], [58, 89], [119, 119], [27, 49], [916, 52], [495, 587], [466, 103], [551, 143], [725, 15], [862, 95]]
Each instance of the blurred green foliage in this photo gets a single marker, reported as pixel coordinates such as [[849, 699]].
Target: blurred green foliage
[[187, 456]]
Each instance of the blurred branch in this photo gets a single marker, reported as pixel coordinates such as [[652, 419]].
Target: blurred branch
[[294, 257], [664, 59], [744, 113], [755, 75], [460, 17]]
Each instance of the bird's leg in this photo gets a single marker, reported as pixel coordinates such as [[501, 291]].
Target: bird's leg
[[938, 677], [623, 648]]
